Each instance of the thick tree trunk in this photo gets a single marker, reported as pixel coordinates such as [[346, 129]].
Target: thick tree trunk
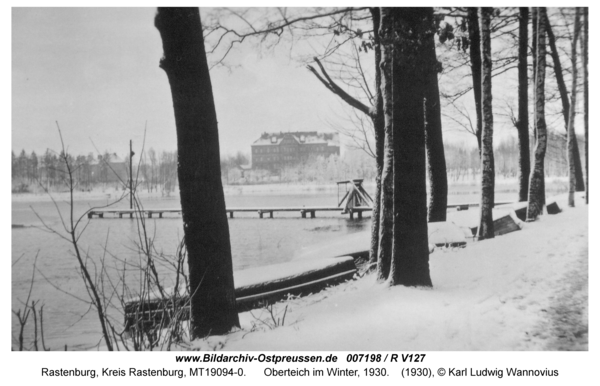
[[438, 178], [534, 34], [386, 214], [564, 97], [585, 53], [213, 307], [534, 28], [475, 54], [412, 65], [571, 139], [536, 198], [379, 129], [486, 224], [523, 118]]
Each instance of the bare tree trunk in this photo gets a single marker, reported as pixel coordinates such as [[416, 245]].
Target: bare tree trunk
[[523, 119], [435, 153], [571, 139], [534, 34], [475, 54], [438, 178], [536, 199], [213, 306], [386, 214], [584, 51], [412, 65], [486, 224], [564, 97], [379, 129], [534, 53]]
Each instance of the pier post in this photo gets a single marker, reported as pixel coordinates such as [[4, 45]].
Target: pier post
[[271, 214], [149, 214], [160, 214], [360, 214], [231, 214], [351, 214], [120, 215], [101, 215], [312, 214], [131, 153], [303, 212], [260, 213]]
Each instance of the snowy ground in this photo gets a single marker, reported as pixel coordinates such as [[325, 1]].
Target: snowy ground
[[527, 290]]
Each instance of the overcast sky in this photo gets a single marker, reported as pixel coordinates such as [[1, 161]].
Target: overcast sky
[[95, 71]]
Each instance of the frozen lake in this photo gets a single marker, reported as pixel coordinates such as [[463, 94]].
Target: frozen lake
[[255, 242]]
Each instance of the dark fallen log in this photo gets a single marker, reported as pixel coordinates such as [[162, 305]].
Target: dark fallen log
[[313, 269], [255, 288]]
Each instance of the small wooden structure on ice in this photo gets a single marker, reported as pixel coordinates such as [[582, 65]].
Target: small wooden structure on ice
[[356, 197]]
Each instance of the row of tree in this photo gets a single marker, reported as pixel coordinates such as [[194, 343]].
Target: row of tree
[[464, 162], [49, 170], [405, 110], [159, 173], [155, 172]]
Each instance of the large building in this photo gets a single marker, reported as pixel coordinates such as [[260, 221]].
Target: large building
[[273, 151]]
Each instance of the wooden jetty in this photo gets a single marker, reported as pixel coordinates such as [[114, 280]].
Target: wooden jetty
[[304, 211], [354, 202], [261, 211]]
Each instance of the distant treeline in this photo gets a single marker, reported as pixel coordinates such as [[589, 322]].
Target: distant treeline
[[157, 172], [33, 173], [463, 162]]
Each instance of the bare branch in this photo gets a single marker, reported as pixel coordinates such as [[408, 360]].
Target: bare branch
[[334, 88]]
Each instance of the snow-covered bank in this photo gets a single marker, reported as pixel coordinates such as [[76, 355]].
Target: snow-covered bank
[[526, 290]]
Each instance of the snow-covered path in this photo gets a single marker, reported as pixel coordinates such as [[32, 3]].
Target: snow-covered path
[[526, 290]]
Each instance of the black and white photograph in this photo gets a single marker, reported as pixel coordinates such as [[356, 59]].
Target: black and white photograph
[[300, 179]]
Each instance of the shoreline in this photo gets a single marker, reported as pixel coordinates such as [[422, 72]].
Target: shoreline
[[507, 185]]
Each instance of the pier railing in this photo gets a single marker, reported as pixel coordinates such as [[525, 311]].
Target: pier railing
[[261, 211], [304, 211]]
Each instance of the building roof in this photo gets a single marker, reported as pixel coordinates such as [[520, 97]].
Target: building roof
[[310, 137]]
